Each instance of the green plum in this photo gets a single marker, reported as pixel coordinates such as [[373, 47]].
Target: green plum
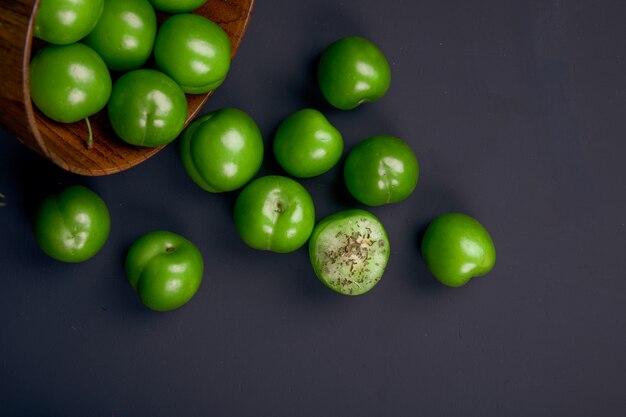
[[351, 71], [147, 108], [177, 6], [62, 22], [72, 225], [456, 248], [125, 34], [306, 144], [165, 269], [274, 213], [69, 83], [349, 251], [222, 150], [380, 170], [194, 51]]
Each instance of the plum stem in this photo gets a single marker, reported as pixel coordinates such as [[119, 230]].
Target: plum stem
[[89, 143]]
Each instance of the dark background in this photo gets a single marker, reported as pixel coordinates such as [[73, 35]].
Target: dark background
[[516, 112]]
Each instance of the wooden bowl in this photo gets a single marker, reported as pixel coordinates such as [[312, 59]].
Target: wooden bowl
[[64, 144]]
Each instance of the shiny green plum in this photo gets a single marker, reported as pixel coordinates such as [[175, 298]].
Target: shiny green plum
[[165, 269], [222, 150], [352, 71], [147, 108], [72, 225], [349, 251], [274, 213], [124, 35], [381, 170], [62, 22], [194, 51], [306, 144], [69, 83], [456, 248], [177, 6]]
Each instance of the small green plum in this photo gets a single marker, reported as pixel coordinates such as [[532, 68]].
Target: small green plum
[[380, 170], [352, 71], [349, 251], [306, 144], [62, 22], [165, 269], [124, 35], [274, 213], [72, 225], [69, 83], [147, 108], [222, 150], [194, 51], [456, 248]]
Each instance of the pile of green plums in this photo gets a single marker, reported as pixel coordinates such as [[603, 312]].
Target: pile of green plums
[[92, 42]]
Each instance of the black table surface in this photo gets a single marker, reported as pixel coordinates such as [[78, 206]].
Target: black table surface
[[516, 112]]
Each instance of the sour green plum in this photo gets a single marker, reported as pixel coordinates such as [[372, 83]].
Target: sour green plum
[[353, 71], [62, 22], [124, 35], [349, 251], [165, 269], [69, 83], [306, 144], [274, 213], [72, 225], [456, 248], [222, 150], [380, 170], [147, 108], [194, 51]]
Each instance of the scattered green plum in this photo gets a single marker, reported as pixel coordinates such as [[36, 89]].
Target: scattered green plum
[[380, 170], [349, 251], [222, 150], [72, 225], [165, 269], [274, 213], [456, 248], [306, 144], [352, 71]]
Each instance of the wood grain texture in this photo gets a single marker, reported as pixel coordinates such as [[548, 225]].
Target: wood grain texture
[[64, 144]]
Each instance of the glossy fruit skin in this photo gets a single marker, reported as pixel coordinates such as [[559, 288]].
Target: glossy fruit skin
[[165, 269], [456, 248], [69, 82], [306, 144], [177, 6], [222, 150], [352, 71], [147, 108], [194, 51], [381, 170], [274, 213], [124, 35], [62, 22], [349, 251], [72, 225]]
